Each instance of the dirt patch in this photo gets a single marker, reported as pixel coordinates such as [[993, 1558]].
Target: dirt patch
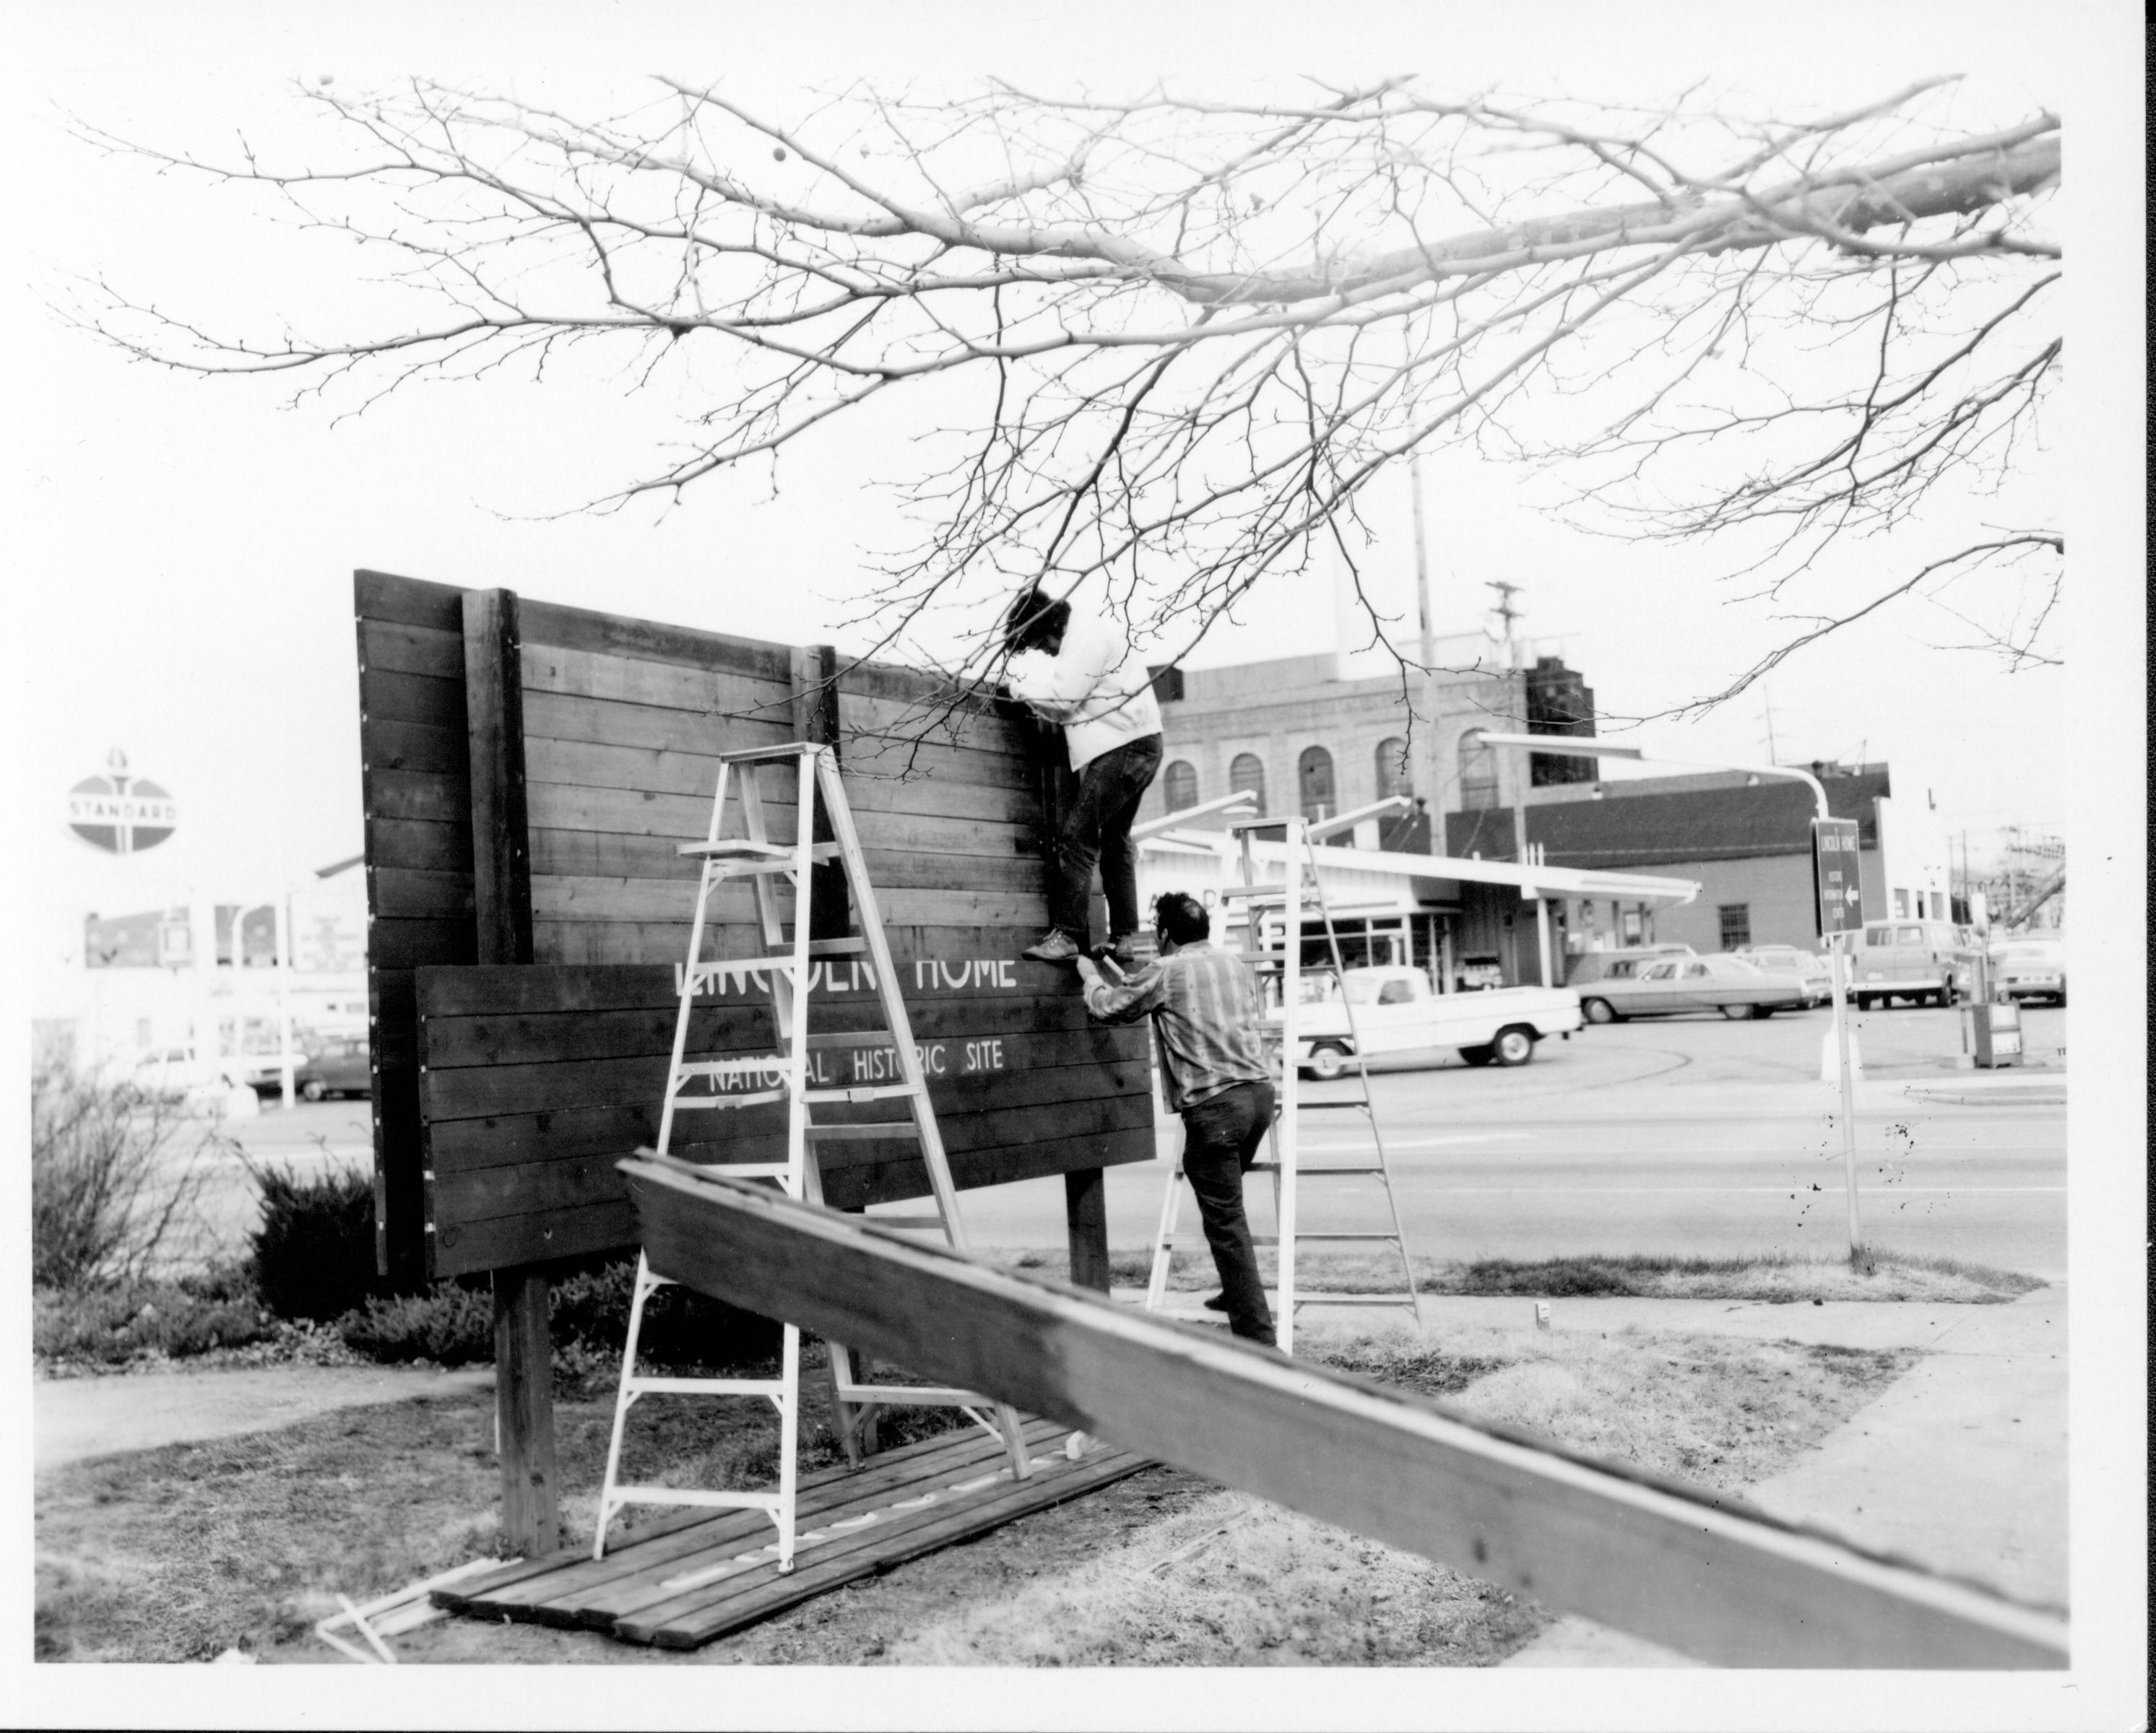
[[1778, 1279], [183, 1552]]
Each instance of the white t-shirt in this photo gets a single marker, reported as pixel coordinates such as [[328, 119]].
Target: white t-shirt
[[1095, 686]]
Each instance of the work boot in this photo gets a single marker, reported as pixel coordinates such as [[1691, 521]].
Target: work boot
[[1216, 1303], [1056, 946], [1123, 954]]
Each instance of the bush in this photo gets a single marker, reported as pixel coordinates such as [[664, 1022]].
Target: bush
[[682, 1329], [450, 1325], [114, 1174], [111, 1326], [314, 1253], [588, 1315]]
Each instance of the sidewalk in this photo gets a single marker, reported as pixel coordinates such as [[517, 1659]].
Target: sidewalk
[[76, 1419]]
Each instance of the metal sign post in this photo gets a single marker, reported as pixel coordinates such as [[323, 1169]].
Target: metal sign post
[[1840, 898]]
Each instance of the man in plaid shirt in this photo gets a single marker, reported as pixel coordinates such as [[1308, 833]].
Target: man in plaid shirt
[[1204, 1006]]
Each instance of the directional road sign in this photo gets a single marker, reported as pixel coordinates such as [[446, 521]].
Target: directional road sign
[[1834, 876]]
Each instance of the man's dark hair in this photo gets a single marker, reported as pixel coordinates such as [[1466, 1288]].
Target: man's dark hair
[[1033, 619], [1181, 918]]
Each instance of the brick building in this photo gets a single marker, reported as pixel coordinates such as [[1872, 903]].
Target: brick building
[[1747, 842]]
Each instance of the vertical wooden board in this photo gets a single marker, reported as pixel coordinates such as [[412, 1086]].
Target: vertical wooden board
[[416, 821]]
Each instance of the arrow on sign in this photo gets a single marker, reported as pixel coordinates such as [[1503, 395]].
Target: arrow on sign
[[1849, 895]]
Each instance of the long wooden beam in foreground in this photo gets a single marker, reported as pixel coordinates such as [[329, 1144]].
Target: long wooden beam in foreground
[[1681, 1566]]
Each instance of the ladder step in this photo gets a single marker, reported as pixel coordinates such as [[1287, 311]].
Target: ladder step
[[704, 1386], [695, 1495], [758, 755], [1354, 1300], [855, 946], [924, 1395], [911, 1224], [1303, 1172], [737, 847], [698, 1104], [883, 1132], [1305, 1234], [875, 1092], [730, 866]]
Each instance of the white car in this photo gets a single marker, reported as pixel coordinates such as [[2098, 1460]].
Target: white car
[[2029, 969], [181, 1074], [1393, 1010]]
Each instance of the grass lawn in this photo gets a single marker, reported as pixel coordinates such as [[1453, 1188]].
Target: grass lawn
[[183, 1552]]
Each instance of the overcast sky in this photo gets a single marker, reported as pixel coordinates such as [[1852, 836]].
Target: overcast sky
[[189, 543]]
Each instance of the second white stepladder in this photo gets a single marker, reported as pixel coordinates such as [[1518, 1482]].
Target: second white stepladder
[[784, 968]]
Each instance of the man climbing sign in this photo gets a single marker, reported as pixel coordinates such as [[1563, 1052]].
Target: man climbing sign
[[1079, 671]]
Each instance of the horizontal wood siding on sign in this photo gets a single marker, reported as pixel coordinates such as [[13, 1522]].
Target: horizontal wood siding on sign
[[623, 726], [535, 1079], [416, 788]]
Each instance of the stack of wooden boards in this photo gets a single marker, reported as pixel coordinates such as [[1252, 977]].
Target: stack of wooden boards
[[681, 1581]]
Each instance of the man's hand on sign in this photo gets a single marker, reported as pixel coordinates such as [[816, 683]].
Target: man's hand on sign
[[1089, 972]]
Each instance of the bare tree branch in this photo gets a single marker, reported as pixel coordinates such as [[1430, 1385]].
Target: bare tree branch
[[1167, 343]]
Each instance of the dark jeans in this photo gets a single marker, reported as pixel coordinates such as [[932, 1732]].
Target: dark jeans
[[1221, 1136], [1097, 828]]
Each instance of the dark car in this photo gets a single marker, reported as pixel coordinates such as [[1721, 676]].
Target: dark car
[[339, 1066]]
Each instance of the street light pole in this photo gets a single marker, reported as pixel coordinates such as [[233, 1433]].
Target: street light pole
[[1838, 955]]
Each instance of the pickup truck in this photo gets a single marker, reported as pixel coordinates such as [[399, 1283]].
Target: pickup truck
[[1395, 1012]]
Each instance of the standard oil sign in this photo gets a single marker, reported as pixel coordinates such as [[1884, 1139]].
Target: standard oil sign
[[120, 812]]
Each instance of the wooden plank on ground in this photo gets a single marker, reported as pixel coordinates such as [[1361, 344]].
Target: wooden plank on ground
[[593, 1593], [691, 1620], [1681, 1566]]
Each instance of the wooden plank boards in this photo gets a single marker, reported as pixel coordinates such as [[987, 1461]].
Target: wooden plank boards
[[537, 1079], [680, 1583], [1682, 1565], [416, 787]]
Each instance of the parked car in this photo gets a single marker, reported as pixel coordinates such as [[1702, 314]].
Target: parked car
[[1919, 961], [1809, 966], [1719, 981], [2029, 969], [1620, 965], [339, 1066], [1394, 1010], [205, 1082]]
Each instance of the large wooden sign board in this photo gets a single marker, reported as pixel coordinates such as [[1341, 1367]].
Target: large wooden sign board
[[529, 771]]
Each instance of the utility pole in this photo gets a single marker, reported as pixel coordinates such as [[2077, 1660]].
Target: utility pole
[[1509, 615]]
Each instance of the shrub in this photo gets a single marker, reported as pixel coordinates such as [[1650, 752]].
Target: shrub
[[114, 1173], [128, 1321], [314, 1253], [681, 1328], [449, 1325]]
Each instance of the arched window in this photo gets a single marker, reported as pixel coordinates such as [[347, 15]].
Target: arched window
[[1314, 780], [1247, 774], [1394, 774], [1478, 775], [1178, 786]]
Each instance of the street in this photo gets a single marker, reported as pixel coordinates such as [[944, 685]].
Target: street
[[1681, 1136]]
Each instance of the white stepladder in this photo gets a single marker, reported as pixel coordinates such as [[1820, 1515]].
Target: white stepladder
[[1282, 961], [739, 1083]]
